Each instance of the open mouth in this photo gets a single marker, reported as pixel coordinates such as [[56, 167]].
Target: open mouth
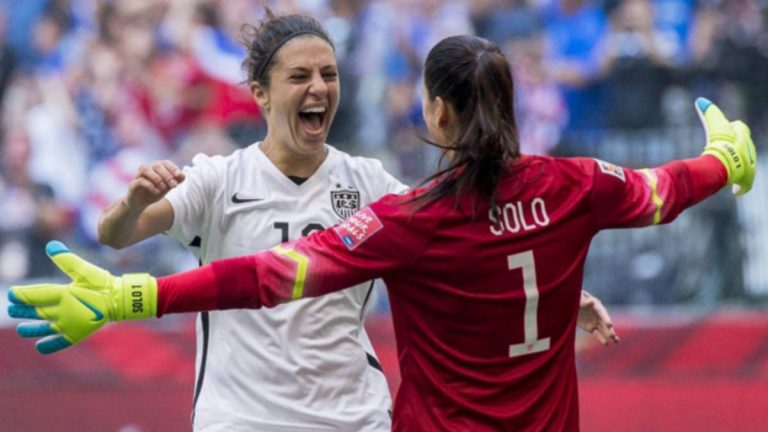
[[313, 119]]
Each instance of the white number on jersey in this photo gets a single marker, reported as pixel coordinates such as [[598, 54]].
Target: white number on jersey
[[532, 343]]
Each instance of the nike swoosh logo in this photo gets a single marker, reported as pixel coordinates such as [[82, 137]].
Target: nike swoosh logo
[[238, 200], [99, 315]]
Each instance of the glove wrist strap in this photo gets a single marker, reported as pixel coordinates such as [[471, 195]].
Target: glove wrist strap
[[139, 297], [727, 158]]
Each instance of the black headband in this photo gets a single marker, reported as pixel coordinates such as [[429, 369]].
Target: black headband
[[277, 46]]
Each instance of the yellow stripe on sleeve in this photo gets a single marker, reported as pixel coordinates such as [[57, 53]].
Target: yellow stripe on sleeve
[[655, 198], [302, 263]]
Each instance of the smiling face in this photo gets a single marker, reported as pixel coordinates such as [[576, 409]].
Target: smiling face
[[301, 100]]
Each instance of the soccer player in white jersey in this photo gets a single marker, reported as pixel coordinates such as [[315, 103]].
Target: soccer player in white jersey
[[307, 365]]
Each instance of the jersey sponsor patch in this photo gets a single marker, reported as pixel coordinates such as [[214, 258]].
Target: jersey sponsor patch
[[358, 228], [611, 169]]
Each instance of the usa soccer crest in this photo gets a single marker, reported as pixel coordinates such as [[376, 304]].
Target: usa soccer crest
[[345, 202]]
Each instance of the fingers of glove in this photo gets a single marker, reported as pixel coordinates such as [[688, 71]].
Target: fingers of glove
[[23, 312], [36, 295], [52, 344], [35, 330], [747, 151], [744, 141], [81, 271], [32, 312], [716, 125]]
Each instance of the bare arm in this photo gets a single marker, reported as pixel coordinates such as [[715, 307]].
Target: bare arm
[[143, 212]]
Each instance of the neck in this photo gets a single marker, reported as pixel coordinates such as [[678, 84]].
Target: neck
[[291, 163]]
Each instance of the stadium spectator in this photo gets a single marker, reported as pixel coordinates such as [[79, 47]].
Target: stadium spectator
[[573, 30], [21, 20], [484, 265], [672, 20], [7, 60], [419, 25], [541, 110], [207, 33], [345, 30], [736, 31], [502, 20], [635, 60], [31, 213]]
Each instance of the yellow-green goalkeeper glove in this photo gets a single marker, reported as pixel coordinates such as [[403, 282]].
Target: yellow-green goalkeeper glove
[[70, 313], [731, 143]]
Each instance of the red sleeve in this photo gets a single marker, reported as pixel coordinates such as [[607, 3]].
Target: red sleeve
[[623, 197], [376, 240]]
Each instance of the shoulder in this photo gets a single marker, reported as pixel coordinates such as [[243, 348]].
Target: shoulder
[[365, 172], [205, 160], [548, 176], [219, 163], [573, 167], [356, 163]]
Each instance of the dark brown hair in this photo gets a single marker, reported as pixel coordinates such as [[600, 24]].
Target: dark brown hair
[[263, 41], [472, 75]]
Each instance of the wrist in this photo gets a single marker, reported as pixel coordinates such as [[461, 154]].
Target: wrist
[[135, 296], [131, 208], [729, 157]]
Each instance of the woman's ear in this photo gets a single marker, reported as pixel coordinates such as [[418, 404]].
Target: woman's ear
[[443, 112], [260, 95]]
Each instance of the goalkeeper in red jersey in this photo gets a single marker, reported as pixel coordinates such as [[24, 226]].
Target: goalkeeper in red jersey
[[483, 266]]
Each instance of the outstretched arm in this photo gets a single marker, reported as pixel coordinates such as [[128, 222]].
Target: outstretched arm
[[327, 261], [622, 197], [68, 313]]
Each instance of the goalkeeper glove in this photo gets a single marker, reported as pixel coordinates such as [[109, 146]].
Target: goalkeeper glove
[[731, 143], [70, 313]]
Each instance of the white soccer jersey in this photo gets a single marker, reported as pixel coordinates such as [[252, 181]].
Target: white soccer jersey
[[303, 366]]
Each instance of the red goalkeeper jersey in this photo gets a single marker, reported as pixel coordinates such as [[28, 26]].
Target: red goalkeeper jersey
[[484, 306]]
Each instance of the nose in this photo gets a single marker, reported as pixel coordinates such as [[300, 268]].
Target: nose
[[318, 87]]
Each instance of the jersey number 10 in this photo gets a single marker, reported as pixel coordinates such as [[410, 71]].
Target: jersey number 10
[[286, 237]]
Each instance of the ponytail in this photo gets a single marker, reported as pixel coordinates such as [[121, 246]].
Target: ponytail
[[473, 76]]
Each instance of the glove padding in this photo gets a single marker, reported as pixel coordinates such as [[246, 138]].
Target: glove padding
[[731, 143], [72, 312]]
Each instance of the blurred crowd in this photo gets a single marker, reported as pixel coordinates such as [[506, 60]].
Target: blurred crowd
[[91, 89]]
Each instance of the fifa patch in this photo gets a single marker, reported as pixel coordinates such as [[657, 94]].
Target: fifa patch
[[358, 228], [611, 169], [345, 202]]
